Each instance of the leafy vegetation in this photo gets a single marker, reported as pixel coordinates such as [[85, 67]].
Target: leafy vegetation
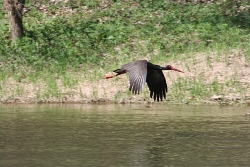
[[79, 35]]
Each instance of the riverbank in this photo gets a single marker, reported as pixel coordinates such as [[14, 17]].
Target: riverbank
[[209, 78], [68, 48]]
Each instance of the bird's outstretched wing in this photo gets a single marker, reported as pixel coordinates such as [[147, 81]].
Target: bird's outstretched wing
[[157, 84], [137, 72]]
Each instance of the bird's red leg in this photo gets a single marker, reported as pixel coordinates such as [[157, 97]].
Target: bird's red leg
[[111, 76]]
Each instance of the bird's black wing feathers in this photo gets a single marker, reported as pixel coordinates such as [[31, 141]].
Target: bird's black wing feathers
[[137, 72], [157, 84]]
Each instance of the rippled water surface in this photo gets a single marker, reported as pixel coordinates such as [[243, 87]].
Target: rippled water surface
[[124, 135]]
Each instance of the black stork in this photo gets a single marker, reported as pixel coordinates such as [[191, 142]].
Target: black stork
[[142, 71]]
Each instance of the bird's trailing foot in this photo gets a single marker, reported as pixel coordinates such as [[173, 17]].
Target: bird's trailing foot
[[118, 72], [110, 76]]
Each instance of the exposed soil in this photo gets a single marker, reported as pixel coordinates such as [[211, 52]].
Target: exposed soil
[[230, 67]]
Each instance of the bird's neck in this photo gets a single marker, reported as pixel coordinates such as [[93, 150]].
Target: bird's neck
[[151, 66]]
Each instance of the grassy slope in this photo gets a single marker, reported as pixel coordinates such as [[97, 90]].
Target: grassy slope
[[68, 45]]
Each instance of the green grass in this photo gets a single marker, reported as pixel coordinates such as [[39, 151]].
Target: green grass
[[98, 37]]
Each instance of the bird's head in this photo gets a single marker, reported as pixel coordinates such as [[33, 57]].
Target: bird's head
[[169, 67]]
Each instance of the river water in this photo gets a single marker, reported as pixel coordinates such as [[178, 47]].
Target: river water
[[124, 135]]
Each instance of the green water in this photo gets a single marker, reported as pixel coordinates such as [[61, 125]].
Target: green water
[[124, 135]]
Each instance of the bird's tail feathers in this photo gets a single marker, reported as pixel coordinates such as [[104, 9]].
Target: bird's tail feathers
[[118, 71]]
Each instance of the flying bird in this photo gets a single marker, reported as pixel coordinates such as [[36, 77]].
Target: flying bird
[[142, 71]]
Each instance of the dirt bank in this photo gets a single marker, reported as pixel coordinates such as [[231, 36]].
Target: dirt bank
[[230, 71]]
